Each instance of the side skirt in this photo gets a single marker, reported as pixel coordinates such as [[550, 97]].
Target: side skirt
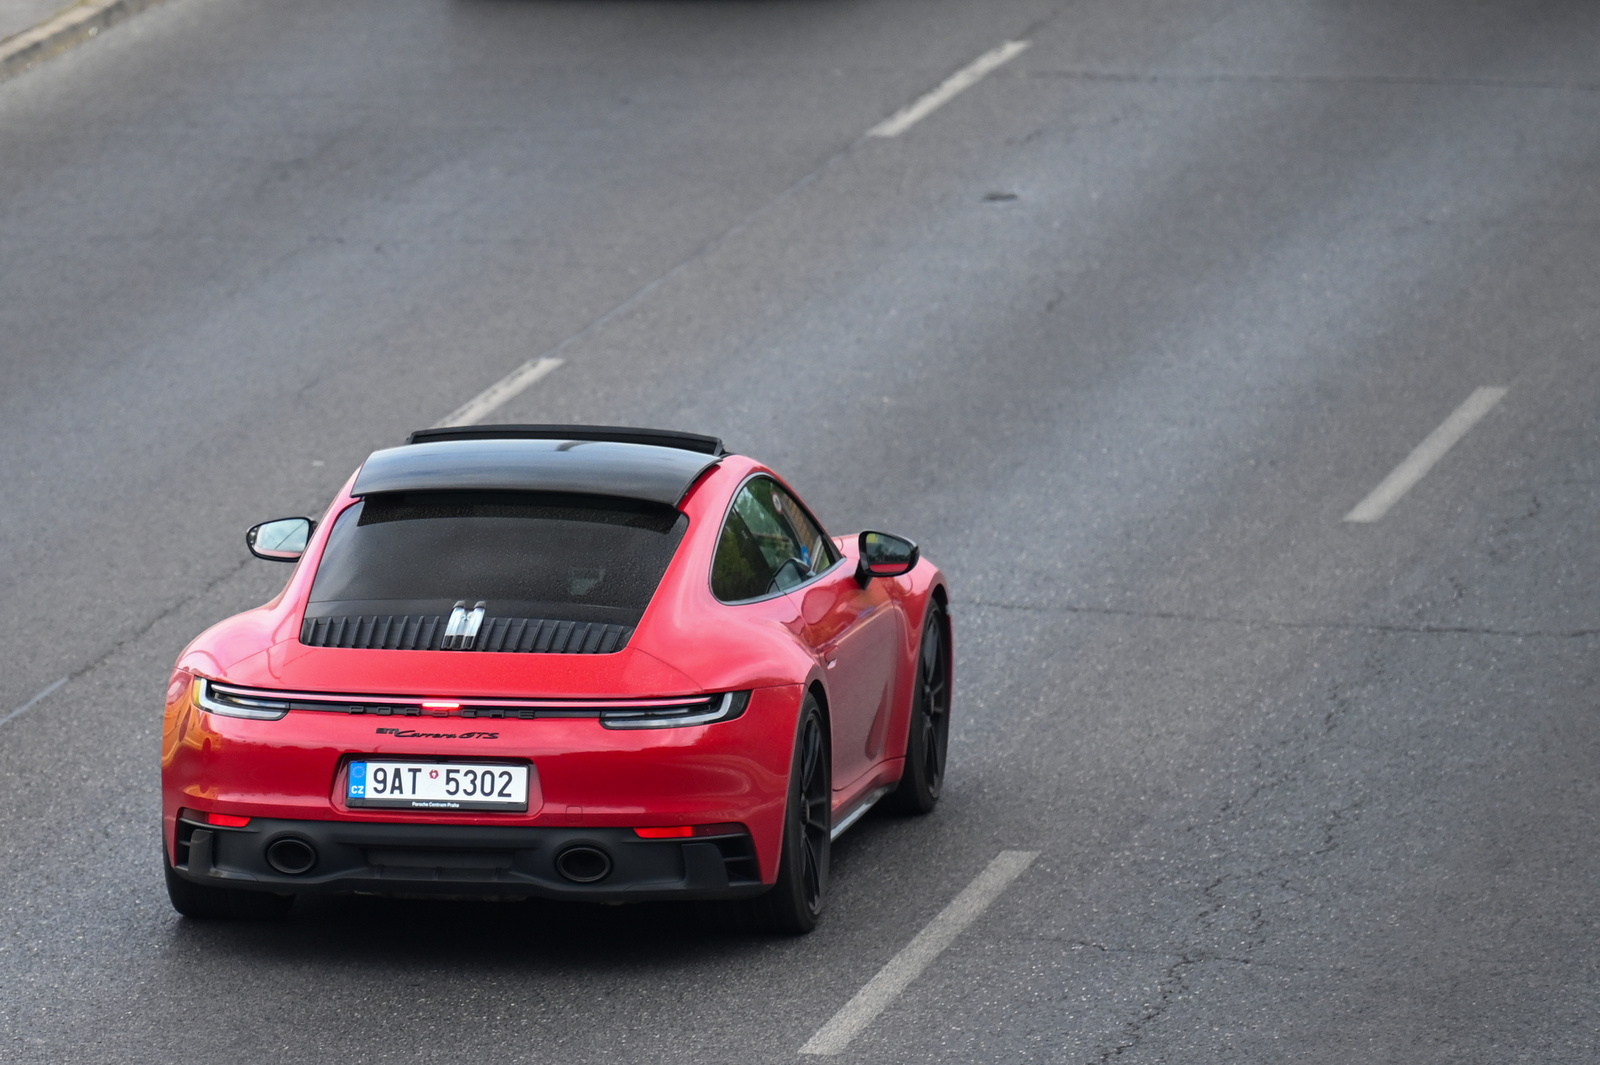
[[860, 811]]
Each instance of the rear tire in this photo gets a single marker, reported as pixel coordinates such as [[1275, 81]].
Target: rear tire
[[795, 902], [202, 902], [929, 737]]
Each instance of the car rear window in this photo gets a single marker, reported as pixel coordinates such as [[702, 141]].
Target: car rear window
[[579, 558]]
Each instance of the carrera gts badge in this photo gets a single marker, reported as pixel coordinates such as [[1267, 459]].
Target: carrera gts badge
[[462, 631], [412, 734]]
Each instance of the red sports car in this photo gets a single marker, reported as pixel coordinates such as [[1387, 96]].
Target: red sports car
[[574, 662]]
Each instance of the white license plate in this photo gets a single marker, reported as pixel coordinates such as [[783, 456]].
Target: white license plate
[[437, 786]]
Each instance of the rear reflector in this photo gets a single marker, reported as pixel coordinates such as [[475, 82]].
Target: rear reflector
[[685, 831], [227, 820]]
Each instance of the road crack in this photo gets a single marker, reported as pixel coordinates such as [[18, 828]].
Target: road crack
[[1173, 984], [149, 625]]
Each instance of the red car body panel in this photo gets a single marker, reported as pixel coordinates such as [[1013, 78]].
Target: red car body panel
[[857, 647]]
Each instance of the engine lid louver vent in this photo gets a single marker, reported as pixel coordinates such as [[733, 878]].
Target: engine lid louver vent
[[406, 632], [420, 632]]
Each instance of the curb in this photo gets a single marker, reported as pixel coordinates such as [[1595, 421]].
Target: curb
[[62, 32]]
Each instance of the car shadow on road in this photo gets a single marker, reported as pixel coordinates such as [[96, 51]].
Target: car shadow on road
[[358, 929]]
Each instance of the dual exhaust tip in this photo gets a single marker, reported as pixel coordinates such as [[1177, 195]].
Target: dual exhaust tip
[[581, 864], [291, 855]]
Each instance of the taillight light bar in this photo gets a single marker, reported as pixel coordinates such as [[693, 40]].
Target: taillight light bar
[[215, 700], [717, 708], [232, 701]]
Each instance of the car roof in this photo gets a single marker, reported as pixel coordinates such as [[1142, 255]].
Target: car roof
[[588, 460], [620, 434]]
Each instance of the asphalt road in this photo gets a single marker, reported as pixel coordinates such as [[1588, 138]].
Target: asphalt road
[[1120, 334]]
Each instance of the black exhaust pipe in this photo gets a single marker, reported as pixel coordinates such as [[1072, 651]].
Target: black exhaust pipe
[[583, 865], [291, 855]]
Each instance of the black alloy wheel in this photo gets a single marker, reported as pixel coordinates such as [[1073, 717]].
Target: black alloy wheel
[[928, 740], [795, 901]]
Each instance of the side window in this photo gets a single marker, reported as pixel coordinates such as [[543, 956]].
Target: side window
[[817, 551], [768, 544]]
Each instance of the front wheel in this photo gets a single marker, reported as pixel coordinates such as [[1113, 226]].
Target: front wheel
[[929, 738], [795, 901]]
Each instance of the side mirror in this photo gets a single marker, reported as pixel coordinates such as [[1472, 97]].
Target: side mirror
[[283, 540], [883, 555]]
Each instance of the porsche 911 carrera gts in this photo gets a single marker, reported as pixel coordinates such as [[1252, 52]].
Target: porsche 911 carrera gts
[[568, 662]]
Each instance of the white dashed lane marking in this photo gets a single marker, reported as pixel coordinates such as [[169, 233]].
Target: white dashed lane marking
[[500, 393], [519, 380], [906, 966], [1427, 454], [954, 86]]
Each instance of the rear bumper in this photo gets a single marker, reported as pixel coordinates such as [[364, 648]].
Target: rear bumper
[[472, 861], [586, 780]]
